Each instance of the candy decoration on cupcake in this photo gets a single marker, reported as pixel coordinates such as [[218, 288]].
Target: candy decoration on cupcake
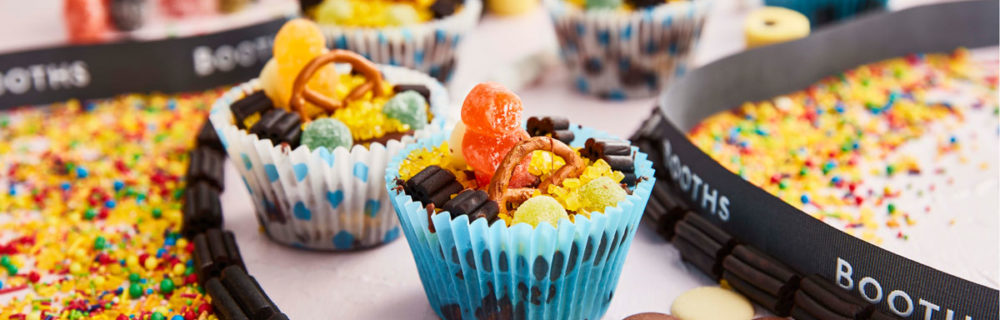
[[311, 138], [381, 13], [513, 226]]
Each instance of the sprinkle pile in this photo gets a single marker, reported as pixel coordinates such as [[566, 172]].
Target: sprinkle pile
[[90, 209], [832, 149]]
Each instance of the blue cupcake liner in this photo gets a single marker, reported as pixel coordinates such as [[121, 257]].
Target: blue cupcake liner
[[821, 12], [471, 270], [428, 47], [321, 199], [616, 55]]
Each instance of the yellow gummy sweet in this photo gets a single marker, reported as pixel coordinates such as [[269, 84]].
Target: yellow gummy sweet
[[297, 43]]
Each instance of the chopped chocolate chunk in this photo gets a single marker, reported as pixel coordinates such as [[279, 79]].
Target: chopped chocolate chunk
[[248, 110], [433, 185], [555, 127], [474, 203], [279, 126]]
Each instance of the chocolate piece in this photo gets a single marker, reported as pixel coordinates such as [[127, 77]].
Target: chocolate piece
[[488, 210], [214, 250], [566, 136], [441, 197], [757, 295], [555, 127], [599, 148], [620, 163], [433, 185], [466, 202], [202, 209], [418, 88], [247, 293], [208, 138], [443, 8], [644, 3], [225, 307], [474, 203], [279, 126], [207, 165], [630, 179], [828, 297], [250, 107]]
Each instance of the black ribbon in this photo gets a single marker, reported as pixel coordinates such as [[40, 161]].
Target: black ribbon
[[104, 70], [759, 219]]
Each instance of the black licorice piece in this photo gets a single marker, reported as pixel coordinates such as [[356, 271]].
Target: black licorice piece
[[128, 15], [201, 210], [771, 303], [254, 105], [699, 259], [204, 263], [441, 196], [435, 186], [418, 88], [279, 126], [555, 127], [700, 240], [815, 309], [620, 163], [564, 136], [603, 147], [489, 210], [208, 138], [278, 316], [443, 8], [711, 230], [800, 314], [829, 297], [207, 165], [247, 293], [225, 307], [233, 250], [466, 202], [879, 315], [769, 266]]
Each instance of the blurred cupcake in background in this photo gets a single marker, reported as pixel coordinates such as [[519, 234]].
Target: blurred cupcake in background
[[416, 34], [312, 136], [624, 49]]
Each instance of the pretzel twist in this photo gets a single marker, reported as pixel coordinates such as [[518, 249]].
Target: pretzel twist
[[498, 188], [302, 94]]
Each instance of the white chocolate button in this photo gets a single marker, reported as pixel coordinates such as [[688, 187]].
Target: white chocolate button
[[711, 303]]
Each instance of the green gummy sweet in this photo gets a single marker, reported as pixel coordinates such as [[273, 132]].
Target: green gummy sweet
[[601, 193], [408, 107], [327, 132], [540, 209], [604, 4]]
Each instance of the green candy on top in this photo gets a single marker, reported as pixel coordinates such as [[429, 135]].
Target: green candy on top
[[604, 4], [408, 107], [327, 132]]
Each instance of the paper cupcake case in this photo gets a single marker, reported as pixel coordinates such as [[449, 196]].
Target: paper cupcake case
[[321, 199], [618, 56], [428, 47], [824, 11], [475, 270]]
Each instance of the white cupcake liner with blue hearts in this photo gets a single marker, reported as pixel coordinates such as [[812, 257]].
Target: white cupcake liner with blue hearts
[[321, 199], [472, 270], [616, 55], [821, 12], [428, 47]]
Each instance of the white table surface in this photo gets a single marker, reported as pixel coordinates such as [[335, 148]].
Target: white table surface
[[383, 283]]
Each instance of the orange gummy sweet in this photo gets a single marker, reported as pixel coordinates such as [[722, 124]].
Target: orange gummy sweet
[[484, 152], [492, 109]]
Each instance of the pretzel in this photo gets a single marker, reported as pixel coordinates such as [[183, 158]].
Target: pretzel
[[498, 188], [302, 94]]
